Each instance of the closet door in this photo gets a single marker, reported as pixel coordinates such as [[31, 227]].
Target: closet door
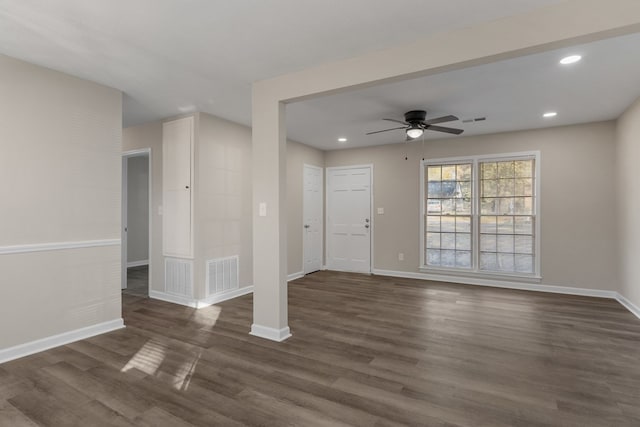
[[177, 166]]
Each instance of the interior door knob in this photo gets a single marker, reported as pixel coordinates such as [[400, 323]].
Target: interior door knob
[[306, 226], [366, 226]]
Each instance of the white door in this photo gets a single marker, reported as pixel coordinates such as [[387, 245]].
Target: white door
[[349, 219], [123, 231], [177, 141], [312, 218]]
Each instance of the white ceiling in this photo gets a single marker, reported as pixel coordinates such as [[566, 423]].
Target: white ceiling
[[176, 56], [511, 94]]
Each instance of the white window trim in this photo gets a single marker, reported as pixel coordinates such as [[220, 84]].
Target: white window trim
[[475, 271]]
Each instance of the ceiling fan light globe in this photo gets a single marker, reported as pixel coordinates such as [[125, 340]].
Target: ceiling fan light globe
[[414, 133]]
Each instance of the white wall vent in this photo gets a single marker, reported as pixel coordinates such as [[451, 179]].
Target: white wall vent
[[223, 275], [178, 277]]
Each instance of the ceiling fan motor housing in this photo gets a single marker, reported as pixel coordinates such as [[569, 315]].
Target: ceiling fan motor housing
[[415, 116]]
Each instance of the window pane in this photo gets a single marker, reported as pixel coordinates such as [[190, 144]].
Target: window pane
[[448, 258], [433, 240], [434, 173], [448, 207], [433, 257], [505, 243], [506, 206], [463, 242], [434, 190], [488, 224], [488, 261], [434, 206], [465, 189], [505, 169], [524, 225], [524, 244], [490, 188], [489, 206], [505, 225], [448, 223], [463, 172], [463, 224], [433, 223], [489, 170], [449, 173], [463, 259], [463, 207], [448, 240], [505, 262], [524, 168], [523, 205], [524, 263], [488, 243], [524, 187], [506, 187]]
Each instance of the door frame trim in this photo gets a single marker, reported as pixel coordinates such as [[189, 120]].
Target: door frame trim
[[322, 216], [372, 221], [126, 155]]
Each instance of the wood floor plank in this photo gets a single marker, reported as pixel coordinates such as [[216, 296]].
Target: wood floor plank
[[366, 351], [11, 416]]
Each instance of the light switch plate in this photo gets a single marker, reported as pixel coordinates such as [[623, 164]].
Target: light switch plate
[[262, 209], [380, 211]]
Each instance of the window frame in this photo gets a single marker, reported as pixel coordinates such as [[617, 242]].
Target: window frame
[[475, 161]]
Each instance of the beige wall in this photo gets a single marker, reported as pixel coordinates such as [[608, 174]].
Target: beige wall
[[578, 243], [222, 197], [150, 136], [60, 169], [297, 156], [628, 186]]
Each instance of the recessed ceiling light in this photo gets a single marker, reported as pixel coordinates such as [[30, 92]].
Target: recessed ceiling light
[[342, 139], [550, 114], [570, 59]]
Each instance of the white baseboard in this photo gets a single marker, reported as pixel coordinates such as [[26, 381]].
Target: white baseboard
[[47, 343], [175, 299], [194, 303], [214, 299], [568, 290], [137, 263], [294, 276], [272, 334], [496, 283], [628, 305]]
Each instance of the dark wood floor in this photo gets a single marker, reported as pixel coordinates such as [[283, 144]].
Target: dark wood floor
[[368, 351], [137, 281]]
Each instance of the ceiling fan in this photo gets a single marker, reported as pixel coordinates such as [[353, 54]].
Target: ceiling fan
[[415, 124]]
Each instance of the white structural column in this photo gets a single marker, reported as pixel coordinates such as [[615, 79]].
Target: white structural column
[[269, 218], [553, 26]]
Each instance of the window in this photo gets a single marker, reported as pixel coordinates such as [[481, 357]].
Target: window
[[449, 215], [480, 215]]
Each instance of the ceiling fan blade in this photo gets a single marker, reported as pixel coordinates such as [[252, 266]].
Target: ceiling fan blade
[[440, 120], [445, 130], [397, 121], [386, 130]]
